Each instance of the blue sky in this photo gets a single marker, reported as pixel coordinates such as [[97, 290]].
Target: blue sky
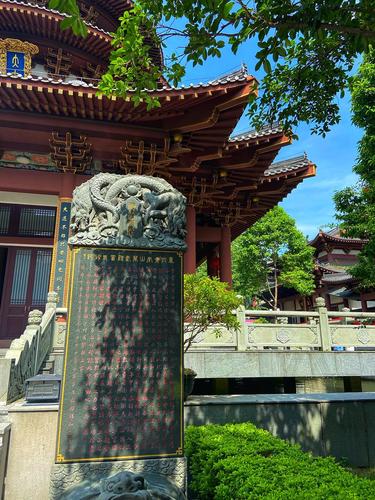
[[311, 202]]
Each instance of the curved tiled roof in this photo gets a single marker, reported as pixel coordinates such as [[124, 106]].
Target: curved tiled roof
[[46, 10], [45, 22], [328, 268], [337, 278], [285, 166], [253, 134], [323, 236], [92, 84], [116, 7], [333, 274]]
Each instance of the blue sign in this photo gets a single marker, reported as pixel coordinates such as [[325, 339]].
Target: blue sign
[[15, 62]]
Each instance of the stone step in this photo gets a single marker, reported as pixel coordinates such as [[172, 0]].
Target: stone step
[[48, 367]]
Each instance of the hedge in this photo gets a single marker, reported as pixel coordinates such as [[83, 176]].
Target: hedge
[[239, 461]]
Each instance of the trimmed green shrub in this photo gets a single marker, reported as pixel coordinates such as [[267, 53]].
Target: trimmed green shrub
[[239, 461]]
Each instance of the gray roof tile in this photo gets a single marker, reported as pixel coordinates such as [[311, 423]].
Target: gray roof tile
[[281, 167], [253, 134]]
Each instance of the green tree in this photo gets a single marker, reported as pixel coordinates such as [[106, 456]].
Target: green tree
[[207, 303], [355, 205], [270, 253], [306, 48]]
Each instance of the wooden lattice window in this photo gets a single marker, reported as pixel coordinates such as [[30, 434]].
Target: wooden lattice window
[[27, 220]]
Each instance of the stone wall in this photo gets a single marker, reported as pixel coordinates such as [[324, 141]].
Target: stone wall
[[341, 424], [31, 452]]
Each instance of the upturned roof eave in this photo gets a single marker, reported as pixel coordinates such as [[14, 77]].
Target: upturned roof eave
[[323, 237], [79, 86]]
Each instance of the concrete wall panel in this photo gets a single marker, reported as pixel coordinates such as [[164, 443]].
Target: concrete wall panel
[[31, 455]]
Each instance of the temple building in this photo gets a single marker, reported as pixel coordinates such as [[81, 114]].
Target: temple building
[[55, 131], [334, 255]]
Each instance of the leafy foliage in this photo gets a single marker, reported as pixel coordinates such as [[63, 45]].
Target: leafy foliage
[[355, 205], [207, 302], [131, 69], [239, 461], [73, 19], [270, 253], [307, 49]]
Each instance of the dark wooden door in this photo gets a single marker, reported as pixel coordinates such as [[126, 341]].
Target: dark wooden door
[[25, 288]]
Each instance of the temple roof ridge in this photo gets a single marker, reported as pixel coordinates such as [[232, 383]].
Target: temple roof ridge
[[288, 165], [334, 237], [242, 72], [54, 11], [340, 277], [78, 81], [272, 128]]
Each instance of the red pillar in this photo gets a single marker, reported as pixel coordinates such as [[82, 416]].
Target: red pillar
[[190, 258], [225, 255], [213, 263], [68, 183]]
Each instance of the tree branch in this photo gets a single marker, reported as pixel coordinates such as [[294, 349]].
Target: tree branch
[[298, 25]]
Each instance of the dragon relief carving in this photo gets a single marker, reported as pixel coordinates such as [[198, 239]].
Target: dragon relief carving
[[128, 210]]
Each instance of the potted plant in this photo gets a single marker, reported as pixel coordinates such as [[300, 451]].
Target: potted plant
[[189, 377], [208, 302]]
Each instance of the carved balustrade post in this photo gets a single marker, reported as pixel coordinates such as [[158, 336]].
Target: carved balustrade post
[[325, 335], [52, 299], [242, 332], [345, 319], [35, 323], [33, 327], [58, 338]]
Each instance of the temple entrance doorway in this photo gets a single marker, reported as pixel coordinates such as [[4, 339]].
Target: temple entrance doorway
[[24, 279]]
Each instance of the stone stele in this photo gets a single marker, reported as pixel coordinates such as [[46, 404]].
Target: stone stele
[[139, 212]]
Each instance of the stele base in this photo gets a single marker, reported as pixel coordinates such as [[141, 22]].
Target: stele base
[[65, 476]]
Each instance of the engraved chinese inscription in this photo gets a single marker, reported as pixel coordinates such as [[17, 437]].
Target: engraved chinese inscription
[[123, 362]]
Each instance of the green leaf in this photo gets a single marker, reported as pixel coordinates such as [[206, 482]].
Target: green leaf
[[267, 66]]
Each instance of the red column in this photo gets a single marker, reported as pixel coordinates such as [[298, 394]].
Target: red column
[[190, 258], [225, 255], [213, 263], [68, 183]]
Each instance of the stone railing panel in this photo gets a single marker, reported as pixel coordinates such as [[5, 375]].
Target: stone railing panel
[[353, 335], [307, 330], [215, 337], [282, 335]]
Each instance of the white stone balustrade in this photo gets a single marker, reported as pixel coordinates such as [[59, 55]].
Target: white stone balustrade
[[319, 330], [27, 354]]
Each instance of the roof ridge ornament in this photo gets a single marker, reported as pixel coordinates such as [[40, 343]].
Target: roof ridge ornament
[[232, 75]]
